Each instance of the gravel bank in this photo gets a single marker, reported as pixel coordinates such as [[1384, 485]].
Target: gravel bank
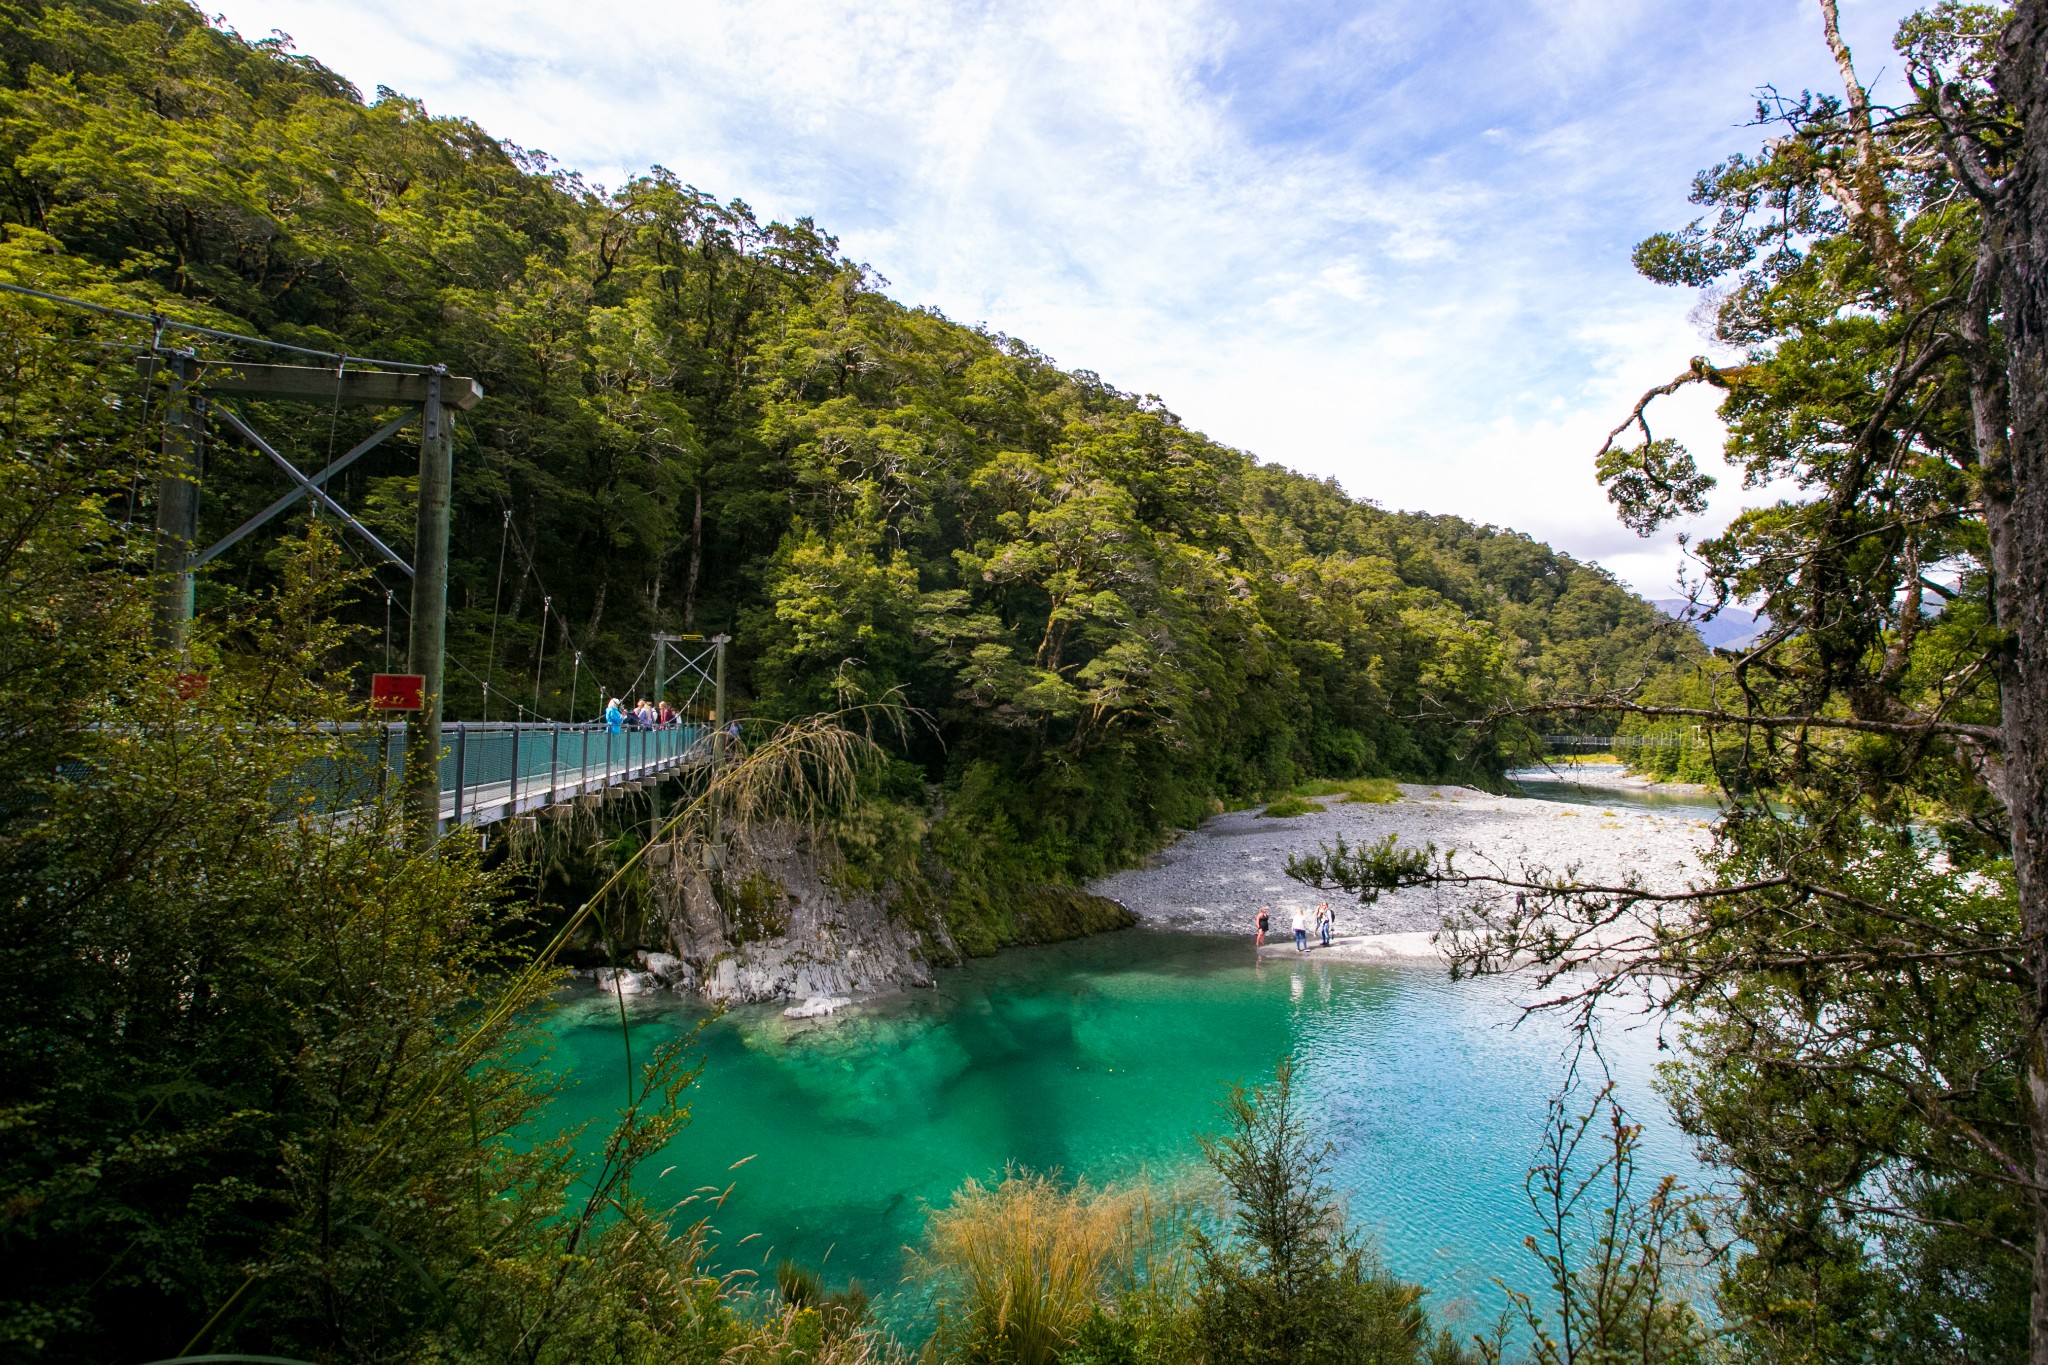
[[1213, 879]]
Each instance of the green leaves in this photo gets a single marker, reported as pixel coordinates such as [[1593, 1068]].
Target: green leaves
[[1689, 257], [1653, 483], [1370, 869], [1290, 1282]]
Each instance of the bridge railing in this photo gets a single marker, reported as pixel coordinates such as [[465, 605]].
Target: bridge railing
[[493, 771], [1601, 744]]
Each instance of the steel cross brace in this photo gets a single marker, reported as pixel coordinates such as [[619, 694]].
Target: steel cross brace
[[309, 487], [362, 448], [692, 665]]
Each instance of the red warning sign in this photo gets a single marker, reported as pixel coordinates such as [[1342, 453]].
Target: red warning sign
[[398, 692]]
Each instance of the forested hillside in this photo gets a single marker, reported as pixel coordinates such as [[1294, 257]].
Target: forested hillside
[[697, 421]]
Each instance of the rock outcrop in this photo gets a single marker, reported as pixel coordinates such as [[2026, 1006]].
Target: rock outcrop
[[764, 920]]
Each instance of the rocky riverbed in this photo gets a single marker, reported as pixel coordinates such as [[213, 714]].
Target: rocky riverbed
[[796, 938], [1213, 879]]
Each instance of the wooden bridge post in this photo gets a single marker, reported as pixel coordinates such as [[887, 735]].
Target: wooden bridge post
[[428, 647], [177, 510], [718, 698]]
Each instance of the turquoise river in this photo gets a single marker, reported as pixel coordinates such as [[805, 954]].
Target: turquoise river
[[1106, 1057]]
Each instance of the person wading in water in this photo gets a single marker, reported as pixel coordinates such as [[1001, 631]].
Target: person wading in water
[[1265, 922]]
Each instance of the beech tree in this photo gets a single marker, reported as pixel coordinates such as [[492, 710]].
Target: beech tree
[[1863, 978]]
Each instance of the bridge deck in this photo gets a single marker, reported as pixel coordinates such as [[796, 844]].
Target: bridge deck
[[491, 772]]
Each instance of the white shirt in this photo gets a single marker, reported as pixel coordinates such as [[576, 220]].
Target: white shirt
[[1300, 918]]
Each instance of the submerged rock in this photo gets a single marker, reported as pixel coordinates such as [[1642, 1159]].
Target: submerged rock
[[669, 970], [624, 980], [816, 1006]]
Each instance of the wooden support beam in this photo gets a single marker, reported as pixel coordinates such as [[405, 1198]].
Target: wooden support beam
[[373, 388], [428, 649], [177, 509]]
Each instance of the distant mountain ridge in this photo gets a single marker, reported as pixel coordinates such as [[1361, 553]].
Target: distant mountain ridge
[[1731, 628]]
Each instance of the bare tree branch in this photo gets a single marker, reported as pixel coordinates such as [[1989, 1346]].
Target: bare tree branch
[[1702, 371], [1981, 734]]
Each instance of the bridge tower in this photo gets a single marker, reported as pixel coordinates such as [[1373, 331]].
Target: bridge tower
[[428, 395], [703, 657]]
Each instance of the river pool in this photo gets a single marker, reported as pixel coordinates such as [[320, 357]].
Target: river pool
[[1103, 1057], [1602, 784]]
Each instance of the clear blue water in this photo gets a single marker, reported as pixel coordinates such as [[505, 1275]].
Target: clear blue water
[[1104, 1057]]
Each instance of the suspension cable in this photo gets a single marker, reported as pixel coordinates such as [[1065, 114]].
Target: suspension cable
[[546, 605], [497, 592], [532, 561], [171, 325], [156, 341], [333, 419]]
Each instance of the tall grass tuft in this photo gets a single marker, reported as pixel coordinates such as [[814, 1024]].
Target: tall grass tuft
[[1022, 1264]]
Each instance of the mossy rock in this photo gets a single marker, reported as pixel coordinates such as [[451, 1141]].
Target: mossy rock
[[1054, 914], [983, 927], [757, 907]]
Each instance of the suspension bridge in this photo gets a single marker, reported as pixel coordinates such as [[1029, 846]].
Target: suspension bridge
[[458, 773]]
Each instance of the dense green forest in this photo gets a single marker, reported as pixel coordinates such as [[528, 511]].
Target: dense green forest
[[697, 421]]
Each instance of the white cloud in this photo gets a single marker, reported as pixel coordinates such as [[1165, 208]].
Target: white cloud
[[1389, 246]]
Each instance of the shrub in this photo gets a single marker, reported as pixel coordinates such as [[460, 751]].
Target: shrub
[[1289, 806], [1364, 790], [1287, 1282]]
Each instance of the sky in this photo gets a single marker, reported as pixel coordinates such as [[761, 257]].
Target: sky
[[1385, 241]]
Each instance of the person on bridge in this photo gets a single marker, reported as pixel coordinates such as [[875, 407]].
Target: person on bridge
[[614, 715]]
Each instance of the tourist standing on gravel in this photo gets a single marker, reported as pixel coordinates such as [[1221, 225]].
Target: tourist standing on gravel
[[1265, 922], [1323, 921], [1300, 930]]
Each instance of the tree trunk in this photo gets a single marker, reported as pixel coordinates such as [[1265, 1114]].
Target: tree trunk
[[2015, 492]]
